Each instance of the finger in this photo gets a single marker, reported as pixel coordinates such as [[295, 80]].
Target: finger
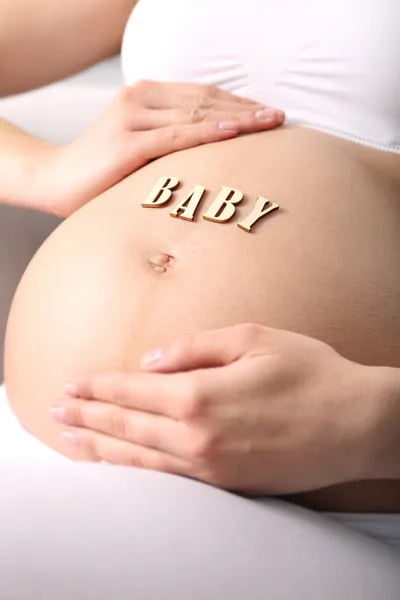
[[177, 396], [186, 95], [206, 349], [247, 120], [250, 121], [160, 142], [119, 452], [136, 427]]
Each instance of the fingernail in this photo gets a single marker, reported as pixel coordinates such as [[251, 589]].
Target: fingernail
[[267, 114], [70, 437], [152, 357], [71, 389], [228, 126], [59, 414], [280, 116]]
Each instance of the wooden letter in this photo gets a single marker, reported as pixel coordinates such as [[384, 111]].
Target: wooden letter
[[186, 209], [223, 207], [257, 213], [161, 192]]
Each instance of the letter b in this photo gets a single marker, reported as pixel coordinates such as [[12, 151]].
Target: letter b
[[223, 207], [161, 192]]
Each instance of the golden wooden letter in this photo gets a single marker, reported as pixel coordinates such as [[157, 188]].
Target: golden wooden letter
[[257, 212], [186, 209], [161, 192], [223, 207]]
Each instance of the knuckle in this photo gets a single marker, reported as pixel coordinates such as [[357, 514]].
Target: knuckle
[[136, 461], [75, 416], [195, 115], [117, 390], [206, 97], [204, 103], [204, 446], [190, 408], [193, 404], [118, 425], [171, 134], [105, 385], [91, 444]]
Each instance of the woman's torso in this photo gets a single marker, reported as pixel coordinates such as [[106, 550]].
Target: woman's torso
[[325, 264]]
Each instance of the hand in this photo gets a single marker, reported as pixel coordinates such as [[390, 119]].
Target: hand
[[145, 121], [246, 408]]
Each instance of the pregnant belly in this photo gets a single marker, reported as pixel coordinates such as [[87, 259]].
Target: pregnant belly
[[117, 278]]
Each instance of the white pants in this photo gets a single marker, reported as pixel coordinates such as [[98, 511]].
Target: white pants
[[74, 531]]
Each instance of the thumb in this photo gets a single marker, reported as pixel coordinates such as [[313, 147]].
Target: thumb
[[201, 350]]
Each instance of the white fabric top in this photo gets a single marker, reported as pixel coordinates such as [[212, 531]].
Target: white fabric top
[[331, 65]]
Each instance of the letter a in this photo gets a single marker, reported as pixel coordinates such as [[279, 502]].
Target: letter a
[[186, 209]]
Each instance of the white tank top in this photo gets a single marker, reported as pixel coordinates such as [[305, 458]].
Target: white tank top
[[332, 65]]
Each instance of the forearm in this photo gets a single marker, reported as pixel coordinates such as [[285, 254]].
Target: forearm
[[46, 40], [383, 424], [21, 157]]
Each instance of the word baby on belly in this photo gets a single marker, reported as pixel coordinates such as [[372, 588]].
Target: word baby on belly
[[221, 210]]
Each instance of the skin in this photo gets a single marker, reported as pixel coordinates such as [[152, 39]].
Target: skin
[[103, 311], [51, 39]]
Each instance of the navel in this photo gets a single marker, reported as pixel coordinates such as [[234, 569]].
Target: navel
[[160, 263]]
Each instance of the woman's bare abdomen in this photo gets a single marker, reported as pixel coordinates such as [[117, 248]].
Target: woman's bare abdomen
[[117, 278]]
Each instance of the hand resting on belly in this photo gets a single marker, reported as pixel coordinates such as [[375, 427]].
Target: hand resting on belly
[[91, 299]]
